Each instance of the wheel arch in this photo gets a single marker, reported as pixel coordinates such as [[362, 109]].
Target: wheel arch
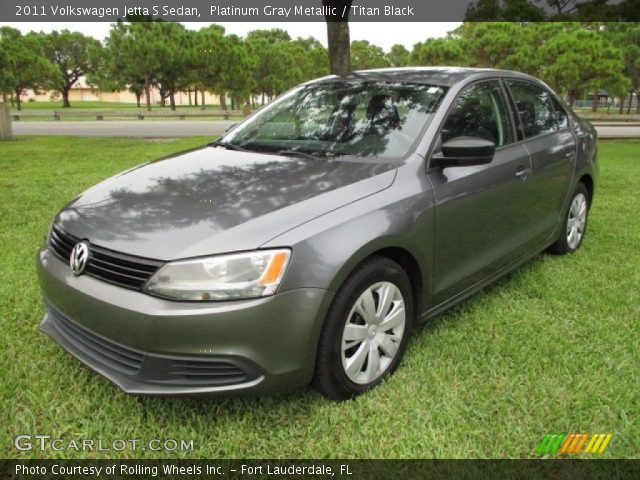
[[403, 255], [587, 180]]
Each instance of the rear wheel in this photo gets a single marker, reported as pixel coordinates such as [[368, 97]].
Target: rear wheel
[[366, 330], [575, 223]]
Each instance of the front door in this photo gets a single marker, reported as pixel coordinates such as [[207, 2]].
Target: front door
[[481, 212]]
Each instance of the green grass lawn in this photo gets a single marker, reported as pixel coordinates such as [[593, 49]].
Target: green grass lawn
[[551, 348]]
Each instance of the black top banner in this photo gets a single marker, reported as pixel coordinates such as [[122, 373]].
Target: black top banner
[[319, 10]]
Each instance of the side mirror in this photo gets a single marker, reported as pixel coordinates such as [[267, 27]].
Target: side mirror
[[464, 152]]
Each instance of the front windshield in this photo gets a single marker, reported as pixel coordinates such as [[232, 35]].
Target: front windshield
[[360, 119]]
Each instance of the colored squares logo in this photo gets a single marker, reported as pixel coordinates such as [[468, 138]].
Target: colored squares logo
[[574, 443]]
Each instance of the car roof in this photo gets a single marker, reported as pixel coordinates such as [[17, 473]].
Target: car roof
[[446, 76]]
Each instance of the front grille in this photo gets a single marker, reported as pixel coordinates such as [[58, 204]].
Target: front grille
[[210, 372], [120, 269], [108, 353]]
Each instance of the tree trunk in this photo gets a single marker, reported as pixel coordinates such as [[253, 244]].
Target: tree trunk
[[622, 99], [5, 122], [630, 102], [195, 97], [202, 98], [147, 92], [65, 97], [262, 98], [338, 37], [172, 101], [572, 100], [138, 97], [223, 101], [594, 103], [18, 101], [189, 92]]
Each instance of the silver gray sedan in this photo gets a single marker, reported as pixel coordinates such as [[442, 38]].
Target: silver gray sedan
[[306, 243]]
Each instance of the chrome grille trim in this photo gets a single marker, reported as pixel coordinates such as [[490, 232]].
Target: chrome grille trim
[[120, 269]]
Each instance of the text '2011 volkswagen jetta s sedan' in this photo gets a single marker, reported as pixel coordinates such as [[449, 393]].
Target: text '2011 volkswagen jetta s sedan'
[[306, 243]]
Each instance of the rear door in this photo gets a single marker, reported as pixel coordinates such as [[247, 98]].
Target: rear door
[[544, 125], [480, 211]]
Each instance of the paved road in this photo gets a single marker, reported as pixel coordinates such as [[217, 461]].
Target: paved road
[[187, 128], [618, 131]]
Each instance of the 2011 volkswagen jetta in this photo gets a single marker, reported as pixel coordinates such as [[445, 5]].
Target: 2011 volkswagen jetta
[[306, 243]]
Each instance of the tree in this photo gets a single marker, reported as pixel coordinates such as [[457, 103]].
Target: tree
[[576, 60], [562, 7], [237, 78], [626, 36], [273, 35], [440, 51], [312, 58], [25, 65], [491, 44], [365, 55], [136, 53], [210, 47], [274, 71], [525, 55], [504, 10], [5, 88], [338, 36], [72, 54], [109, 78], [179, 57], [399, 56]]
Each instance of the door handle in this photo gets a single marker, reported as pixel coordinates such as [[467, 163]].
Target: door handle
[[523, 173]]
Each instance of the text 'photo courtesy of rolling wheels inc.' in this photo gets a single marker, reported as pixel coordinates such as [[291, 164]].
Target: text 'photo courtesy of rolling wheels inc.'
[[321, 239]]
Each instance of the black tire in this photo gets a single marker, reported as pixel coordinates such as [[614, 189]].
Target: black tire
[[330, 377], [561, 246]]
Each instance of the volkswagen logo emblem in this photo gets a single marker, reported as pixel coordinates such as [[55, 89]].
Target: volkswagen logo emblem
[[79, 258]]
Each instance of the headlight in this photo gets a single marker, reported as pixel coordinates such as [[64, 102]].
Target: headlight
[[222, 277]]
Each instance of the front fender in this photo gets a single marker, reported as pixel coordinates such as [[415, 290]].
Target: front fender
[[327, 249]]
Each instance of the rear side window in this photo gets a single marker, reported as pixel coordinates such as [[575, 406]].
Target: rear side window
[[479, 111], [539, 112]]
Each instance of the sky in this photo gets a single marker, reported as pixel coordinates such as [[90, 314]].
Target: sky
[[382, 34]]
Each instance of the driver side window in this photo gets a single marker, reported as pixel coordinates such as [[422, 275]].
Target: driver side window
[[480, 112]]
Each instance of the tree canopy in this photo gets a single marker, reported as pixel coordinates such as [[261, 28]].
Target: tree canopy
[[141, 53], [24, 63], [72, 54]]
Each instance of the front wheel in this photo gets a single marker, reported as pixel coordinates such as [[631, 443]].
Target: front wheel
[[366, 330], [575, 223]]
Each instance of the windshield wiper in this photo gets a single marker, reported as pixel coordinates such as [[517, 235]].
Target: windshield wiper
[[297, 153], [228, 146]]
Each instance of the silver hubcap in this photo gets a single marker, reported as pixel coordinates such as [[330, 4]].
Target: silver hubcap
[[373, 332], [577, 221]]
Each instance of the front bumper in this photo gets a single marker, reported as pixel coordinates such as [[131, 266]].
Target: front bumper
[[152, 346]]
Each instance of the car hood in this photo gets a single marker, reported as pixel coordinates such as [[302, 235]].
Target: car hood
[[211, 200]]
